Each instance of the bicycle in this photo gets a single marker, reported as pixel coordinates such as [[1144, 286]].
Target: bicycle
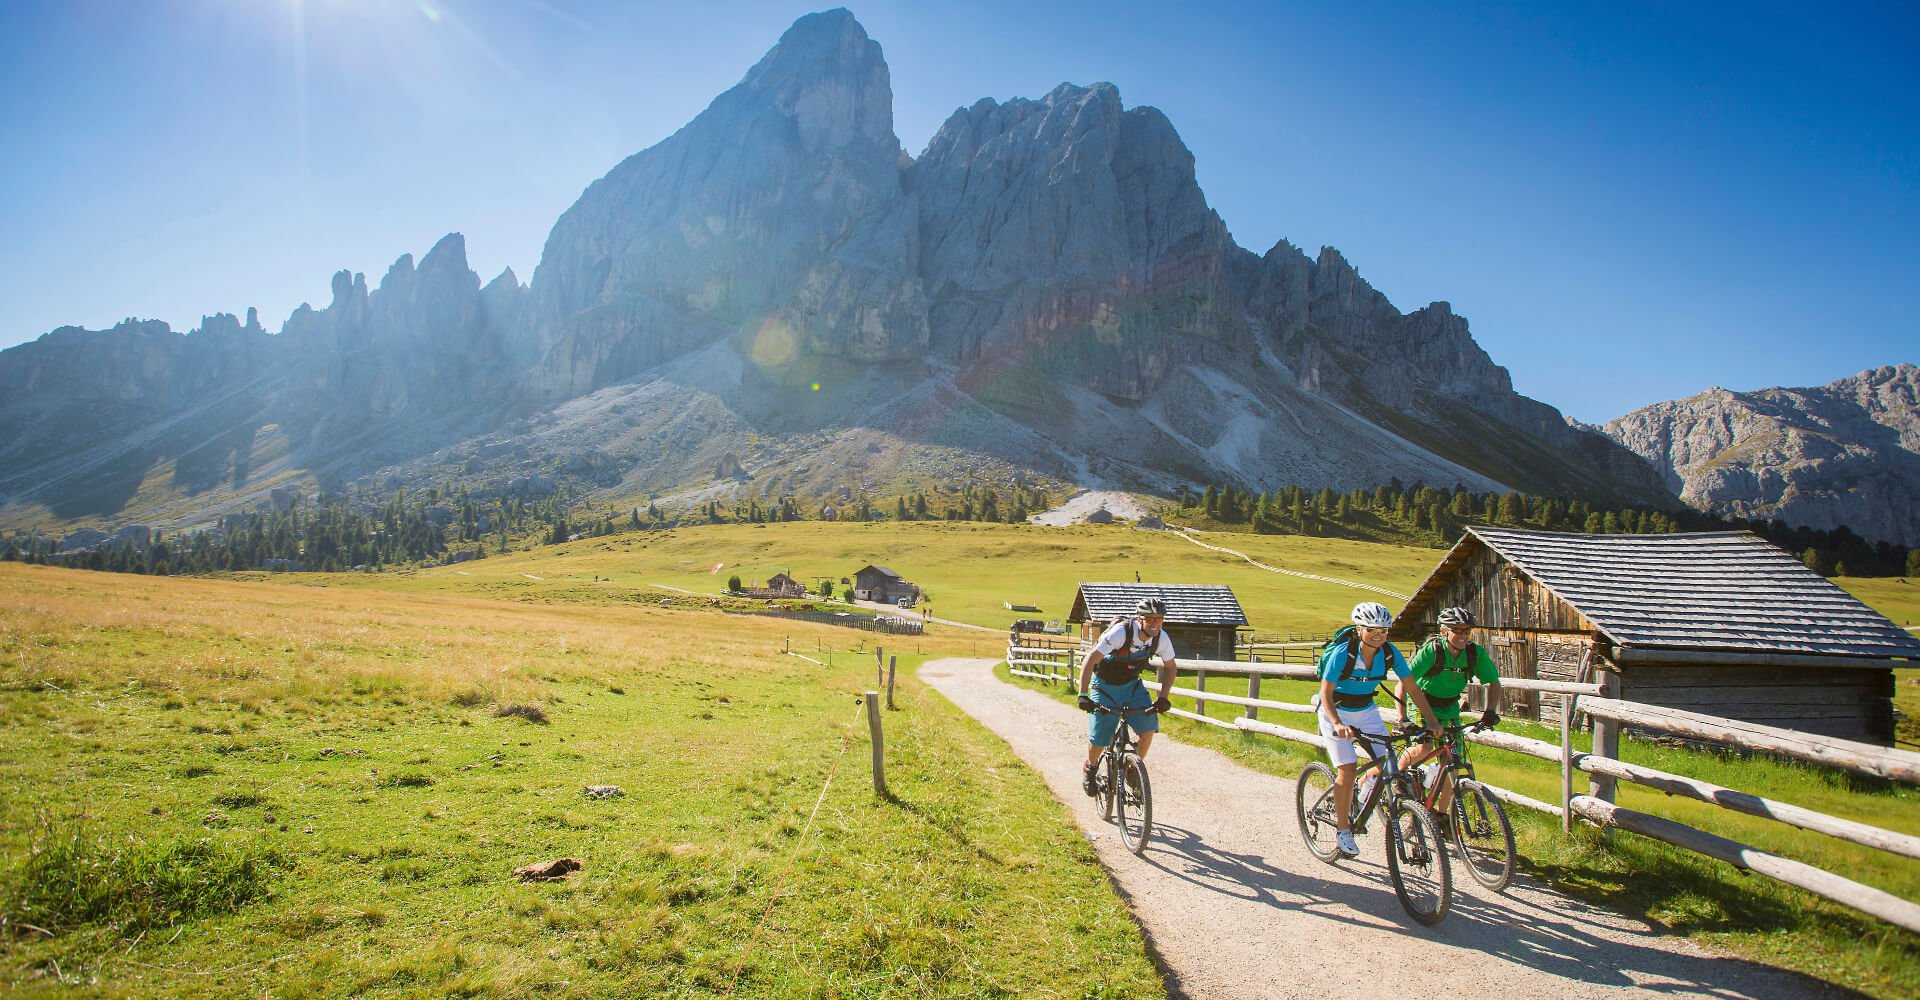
[[1416, 856], [1121, 776], [1479, 824]]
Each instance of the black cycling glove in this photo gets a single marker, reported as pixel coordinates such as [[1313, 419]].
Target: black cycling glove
[[1488, 720], [1087, 704], [1162, 705]]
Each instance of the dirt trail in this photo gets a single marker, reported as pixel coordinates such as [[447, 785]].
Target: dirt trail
[[1236, 907], [1187, 534]]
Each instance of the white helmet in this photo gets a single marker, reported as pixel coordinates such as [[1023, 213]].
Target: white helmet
[[1371, 615]]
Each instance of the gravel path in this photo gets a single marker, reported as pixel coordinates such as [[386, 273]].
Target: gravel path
[[1234, 906]]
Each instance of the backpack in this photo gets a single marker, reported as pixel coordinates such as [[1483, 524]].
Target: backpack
[[1348, 636], [1111, 668], [1462, 664]]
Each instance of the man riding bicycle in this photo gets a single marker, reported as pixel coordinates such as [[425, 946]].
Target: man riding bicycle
[[1441, 670], [1350, 674], [1110, 679]]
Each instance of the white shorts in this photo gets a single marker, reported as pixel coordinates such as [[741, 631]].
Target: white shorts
[[1367, 720]]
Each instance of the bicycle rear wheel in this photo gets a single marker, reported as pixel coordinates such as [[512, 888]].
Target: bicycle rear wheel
[[1313, 799], [1483, 835], [1417, 862], [1135, 804]]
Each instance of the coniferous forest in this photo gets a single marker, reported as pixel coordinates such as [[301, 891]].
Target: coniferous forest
[[425, 527]]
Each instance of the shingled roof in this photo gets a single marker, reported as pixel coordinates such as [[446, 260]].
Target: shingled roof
[[1708, 591], [1187, 603]]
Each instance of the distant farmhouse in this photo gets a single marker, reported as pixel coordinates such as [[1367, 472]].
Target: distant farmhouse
[[1202, 618], [878, 583], [1719, 623], [778, 586]]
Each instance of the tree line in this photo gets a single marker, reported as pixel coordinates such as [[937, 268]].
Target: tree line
[[1429, 515], [334, 533]]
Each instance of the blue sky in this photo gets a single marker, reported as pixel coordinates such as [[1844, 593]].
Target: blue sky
[[1630, 202]]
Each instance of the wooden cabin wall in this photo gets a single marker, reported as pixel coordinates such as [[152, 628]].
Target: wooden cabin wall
[[1201, 642], [1526, 630], [1847, 703]]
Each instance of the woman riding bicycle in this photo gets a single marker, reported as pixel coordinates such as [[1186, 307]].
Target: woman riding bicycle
[[1350, 674], [1441, 670], [1118, 658]]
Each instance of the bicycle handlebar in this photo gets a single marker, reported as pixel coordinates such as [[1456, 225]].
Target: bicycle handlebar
[[1125, 711]]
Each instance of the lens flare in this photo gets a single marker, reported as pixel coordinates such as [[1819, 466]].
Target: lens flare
[[773, 345]]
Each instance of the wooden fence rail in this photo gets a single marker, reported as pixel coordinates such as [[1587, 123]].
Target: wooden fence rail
[[1062, 663], [1859, 758]]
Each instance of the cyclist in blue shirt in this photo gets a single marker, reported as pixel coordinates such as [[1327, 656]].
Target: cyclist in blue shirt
[[1110, 678], [1350, 673]]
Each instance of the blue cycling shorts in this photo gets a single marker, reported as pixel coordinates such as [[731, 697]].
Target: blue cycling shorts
[[1132, 694]]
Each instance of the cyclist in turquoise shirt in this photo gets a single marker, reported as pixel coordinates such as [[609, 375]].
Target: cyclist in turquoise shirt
[[1345, 705]]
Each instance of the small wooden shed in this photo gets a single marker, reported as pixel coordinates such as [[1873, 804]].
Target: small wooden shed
[[878, 583], [778, 586], [1202, 618], [1721, 623]]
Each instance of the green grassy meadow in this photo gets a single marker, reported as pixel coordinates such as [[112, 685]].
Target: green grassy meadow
[[301, 784], [242, 788], [972, 570]]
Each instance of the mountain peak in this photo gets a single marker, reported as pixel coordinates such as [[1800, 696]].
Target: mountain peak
[[831, 78]]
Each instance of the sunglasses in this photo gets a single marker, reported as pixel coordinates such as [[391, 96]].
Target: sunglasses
[[1374, 629]]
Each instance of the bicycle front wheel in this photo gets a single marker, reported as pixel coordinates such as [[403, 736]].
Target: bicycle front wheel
[[1313, 799], [1417, 862], [1135, 804], [1483, 835]]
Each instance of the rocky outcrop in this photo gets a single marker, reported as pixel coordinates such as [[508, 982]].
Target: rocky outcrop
[[1843, 453], [781, 204], [427, 344], [1070, 232]]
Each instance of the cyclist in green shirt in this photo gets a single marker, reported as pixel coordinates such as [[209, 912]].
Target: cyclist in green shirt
[[1441, 670]]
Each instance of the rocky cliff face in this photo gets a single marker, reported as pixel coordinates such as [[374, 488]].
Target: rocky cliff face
[[1843, 453], [781, 202], [1044, 290]]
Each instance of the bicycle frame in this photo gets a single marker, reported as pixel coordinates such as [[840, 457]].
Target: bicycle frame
[[1384, 759], [1451, 754], [1123, 735]]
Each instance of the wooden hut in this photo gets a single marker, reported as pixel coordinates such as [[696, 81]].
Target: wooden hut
[[1721, 623], [780, 585], [1202, 618], [878, 583]]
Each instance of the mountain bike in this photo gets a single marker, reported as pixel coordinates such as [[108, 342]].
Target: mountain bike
[[1416, 856], [1479, 826], [1126, 796]]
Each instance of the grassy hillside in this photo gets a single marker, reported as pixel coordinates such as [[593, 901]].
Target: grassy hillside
[[971, 569], [229, 787]]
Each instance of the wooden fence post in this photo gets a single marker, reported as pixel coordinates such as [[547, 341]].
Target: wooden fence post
[[879, 661], [1606, 736], [1566, 763], [890, 683], [1253, 691], [879, 744], [1199, 684]]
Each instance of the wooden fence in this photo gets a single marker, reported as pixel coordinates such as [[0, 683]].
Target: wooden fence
[[1059, 660]]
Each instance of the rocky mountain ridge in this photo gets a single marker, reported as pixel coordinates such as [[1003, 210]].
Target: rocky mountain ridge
[[1043, 292], [1847, 452]]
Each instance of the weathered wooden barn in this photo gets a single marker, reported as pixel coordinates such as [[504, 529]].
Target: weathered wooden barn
[[878, 583], [1202, 618], [1720, 623]]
